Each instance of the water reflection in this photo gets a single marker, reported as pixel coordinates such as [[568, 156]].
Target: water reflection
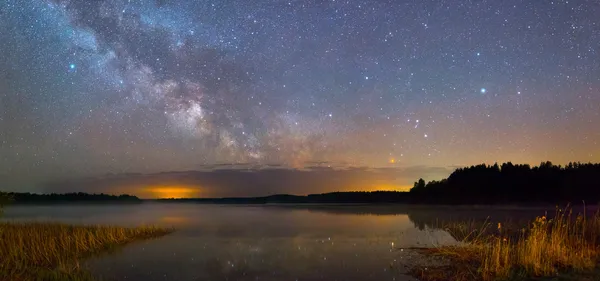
[[264, 242]]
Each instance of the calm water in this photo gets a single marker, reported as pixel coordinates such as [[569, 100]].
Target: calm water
[[261, 242]]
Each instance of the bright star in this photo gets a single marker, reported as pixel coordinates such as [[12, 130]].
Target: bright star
[[483, 90], [72, 66]]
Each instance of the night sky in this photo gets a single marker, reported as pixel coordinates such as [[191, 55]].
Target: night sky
[[377, 93]]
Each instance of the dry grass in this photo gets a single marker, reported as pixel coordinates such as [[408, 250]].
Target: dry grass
[[52, 251], [560, 247]]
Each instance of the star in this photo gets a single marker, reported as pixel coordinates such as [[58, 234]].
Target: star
[[166, 85]]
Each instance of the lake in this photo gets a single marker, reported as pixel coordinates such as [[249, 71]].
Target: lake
[[234, 242]]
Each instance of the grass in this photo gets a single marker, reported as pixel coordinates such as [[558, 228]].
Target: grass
[[53, 251], [562, 248]]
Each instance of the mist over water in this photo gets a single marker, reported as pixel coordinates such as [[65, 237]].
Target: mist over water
[[215, 242]]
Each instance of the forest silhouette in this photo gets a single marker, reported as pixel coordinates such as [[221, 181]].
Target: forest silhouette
[[522, 184], [509, 183], [60, 198]]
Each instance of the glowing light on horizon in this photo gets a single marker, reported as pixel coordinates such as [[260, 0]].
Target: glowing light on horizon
[[388, 187], [173, 192]]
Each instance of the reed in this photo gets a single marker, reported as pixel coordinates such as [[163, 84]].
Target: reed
[[53, 251], [565, 245]]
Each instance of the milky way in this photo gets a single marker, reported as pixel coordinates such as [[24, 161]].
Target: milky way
[[117, 86]]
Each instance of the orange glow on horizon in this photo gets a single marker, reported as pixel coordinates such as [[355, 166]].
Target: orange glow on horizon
[[173, 192], [389, 187]]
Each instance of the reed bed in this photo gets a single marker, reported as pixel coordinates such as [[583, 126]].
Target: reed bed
[[564, 246], [53, 251]]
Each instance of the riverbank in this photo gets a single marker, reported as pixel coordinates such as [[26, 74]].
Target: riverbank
[[53, 251], [564, 247]]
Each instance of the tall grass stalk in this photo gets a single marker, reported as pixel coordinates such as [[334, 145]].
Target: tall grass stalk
[[52, 251], [546, 247]]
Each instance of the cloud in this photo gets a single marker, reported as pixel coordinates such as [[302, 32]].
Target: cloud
[[236, 181]]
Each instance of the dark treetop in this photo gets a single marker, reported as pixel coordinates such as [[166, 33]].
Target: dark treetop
[[509, 183]]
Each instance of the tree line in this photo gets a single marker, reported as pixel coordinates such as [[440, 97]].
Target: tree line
[[509, 183], [75, 197], [372, 197]]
